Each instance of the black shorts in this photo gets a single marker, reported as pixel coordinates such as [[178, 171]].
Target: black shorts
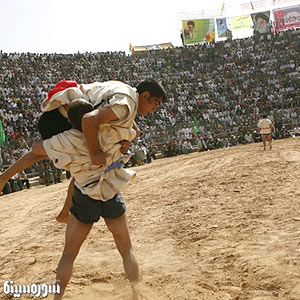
[[52, 123], [88, 210]]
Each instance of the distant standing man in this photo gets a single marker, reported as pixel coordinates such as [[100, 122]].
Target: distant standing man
[[265, 126]]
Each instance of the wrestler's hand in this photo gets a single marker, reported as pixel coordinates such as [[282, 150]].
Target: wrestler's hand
[[124, 146], [99, 158]]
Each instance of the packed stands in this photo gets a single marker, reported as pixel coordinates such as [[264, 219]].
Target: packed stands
[[216, 91]]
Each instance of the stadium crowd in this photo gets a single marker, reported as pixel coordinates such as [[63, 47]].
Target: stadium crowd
[[216, 91]]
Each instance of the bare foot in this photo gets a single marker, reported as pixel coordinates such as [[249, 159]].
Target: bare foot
[[62, 217], [136, 292]]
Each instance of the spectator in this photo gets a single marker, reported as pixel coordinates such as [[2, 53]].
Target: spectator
[[171, 150], [249, 138], [297, 131], [186, 147]]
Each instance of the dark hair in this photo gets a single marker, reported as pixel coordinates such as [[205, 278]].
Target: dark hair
[[52, 123], [77, 109], [264, 116], [153, 87], [191, 23], [262, 16]]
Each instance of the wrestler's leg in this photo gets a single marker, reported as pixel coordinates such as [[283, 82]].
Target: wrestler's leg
[[269, 137], [63, 215], [264, 138], [119, 229], [76, 233], [23, 163]]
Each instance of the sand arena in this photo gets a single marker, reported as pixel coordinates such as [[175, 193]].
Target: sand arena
[[217, 225]]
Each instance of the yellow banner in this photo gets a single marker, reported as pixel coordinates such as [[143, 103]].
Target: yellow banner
[[240, 22]]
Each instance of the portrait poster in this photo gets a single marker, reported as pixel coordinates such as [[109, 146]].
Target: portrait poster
[[221, 27], [196, 31]]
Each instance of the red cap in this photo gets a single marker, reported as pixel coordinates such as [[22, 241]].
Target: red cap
[[60, 86]]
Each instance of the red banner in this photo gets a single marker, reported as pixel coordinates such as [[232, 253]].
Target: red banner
[[287, 18]]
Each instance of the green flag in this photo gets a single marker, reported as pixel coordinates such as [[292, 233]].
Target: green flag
[[2, 134], [196, 124], [223, 6]]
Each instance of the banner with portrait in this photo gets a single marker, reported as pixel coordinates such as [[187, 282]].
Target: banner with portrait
[[196, 31], [240, 22], [261, 22], [287, 18], [221, 27]]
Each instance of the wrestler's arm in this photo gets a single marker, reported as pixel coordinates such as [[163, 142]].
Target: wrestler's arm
[[38, 149], [137, 130], [125, 144], [90, 126], [259, 127]]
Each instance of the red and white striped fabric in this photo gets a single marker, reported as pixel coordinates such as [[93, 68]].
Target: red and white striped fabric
[[63, 93]]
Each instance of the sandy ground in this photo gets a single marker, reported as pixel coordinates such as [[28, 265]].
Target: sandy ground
[[216, 225]]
